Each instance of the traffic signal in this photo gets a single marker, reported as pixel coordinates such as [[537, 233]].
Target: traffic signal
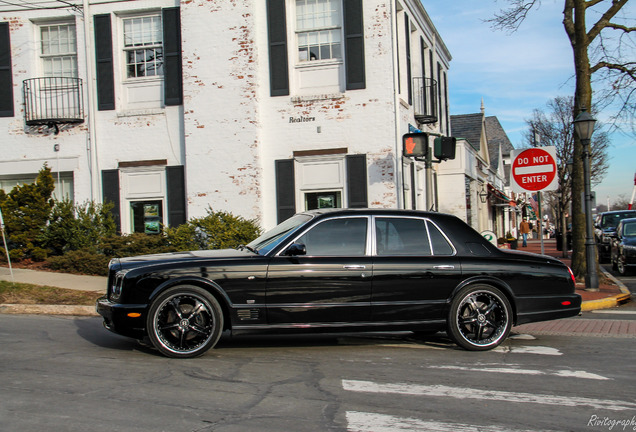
[[444, 148], [415, 145]]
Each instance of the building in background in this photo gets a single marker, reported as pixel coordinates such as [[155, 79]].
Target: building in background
[[475, 185], [261, 108]]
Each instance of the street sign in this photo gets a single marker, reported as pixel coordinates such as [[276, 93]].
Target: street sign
[[534, 170]]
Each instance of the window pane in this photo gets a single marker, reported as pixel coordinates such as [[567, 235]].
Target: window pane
[[143, 31], [439, 242], [337, 237], [396, 236]]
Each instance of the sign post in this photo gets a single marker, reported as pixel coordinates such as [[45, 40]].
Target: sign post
[[534, 170]]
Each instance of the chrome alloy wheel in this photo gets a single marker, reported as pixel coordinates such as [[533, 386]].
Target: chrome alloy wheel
[[480, 318], [185, 322]]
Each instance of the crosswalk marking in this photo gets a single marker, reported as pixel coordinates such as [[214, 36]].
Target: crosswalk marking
[[513, 370], [481, 394], [369, 422]]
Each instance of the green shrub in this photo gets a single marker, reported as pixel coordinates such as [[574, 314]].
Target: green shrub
[[217, 230], [84, 261], [133, 244], [26, 211], [76, 226]]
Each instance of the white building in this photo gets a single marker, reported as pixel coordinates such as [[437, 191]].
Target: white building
[[475, 185], [261, 108]]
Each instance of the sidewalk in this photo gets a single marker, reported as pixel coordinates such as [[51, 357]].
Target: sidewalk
[[611, 291]]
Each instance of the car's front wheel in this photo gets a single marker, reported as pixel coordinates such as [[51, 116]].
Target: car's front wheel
[[480, 318], [184, 321]]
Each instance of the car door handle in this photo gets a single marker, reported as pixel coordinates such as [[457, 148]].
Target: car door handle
[[444, 267], [354, 267]]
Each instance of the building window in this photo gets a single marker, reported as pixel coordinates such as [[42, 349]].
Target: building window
[[318, 27], [143, 46], [58, 50]]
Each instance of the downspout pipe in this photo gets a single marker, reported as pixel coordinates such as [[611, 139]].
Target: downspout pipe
[[91, 144]]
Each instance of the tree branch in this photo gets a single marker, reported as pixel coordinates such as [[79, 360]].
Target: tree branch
[[620, 27], [511, 18], [604, 21], [624, 68]]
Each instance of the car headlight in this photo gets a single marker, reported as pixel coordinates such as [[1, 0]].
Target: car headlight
[[118, 283], [605, 238]]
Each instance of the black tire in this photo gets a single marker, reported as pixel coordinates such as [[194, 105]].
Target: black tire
[[184, 321], [480, 318], [620, 266]]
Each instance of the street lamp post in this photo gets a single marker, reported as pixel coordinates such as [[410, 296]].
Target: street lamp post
[[584, 127]]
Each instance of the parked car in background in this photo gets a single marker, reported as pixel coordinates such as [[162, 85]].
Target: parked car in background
[[605, 229], [339, 270], [623, 251]]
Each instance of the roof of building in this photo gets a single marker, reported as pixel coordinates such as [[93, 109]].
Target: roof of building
[[468, 126]]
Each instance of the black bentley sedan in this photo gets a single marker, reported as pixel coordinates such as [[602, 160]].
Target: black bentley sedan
[[335, 270]]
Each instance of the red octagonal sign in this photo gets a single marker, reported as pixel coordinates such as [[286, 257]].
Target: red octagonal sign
[[534, 170]]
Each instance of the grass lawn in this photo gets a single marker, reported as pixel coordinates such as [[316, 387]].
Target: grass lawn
[[21, 293]]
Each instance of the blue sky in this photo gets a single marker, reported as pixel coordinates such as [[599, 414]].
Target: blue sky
[[519, 72]]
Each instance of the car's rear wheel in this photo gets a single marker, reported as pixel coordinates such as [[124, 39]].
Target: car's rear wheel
[[620, 266], [480, 318], [184, 321]]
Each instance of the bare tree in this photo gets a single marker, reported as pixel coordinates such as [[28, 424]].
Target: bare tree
[[554, 127], [614, 72]]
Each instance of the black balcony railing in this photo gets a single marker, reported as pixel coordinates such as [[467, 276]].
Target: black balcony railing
[[53, 101], [425, 99]]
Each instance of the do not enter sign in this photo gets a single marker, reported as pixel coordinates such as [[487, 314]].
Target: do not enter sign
[[534, 170]]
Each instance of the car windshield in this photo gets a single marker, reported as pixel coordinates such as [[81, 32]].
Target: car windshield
[[273, 237], [612, 220], [629, 229]]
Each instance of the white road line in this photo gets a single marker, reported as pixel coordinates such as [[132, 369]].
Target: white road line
[[528, 350], [481, 394], [369, 422], [512, 370], [615, 312]]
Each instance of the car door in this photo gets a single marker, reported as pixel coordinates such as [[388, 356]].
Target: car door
[[414, 270], [331, 283]]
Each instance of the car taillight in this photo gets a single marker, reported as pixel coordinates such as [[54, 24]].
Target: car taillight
[[572, 276]]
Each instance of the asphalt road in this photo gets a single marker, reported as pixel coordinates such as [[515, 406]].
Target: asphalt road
[[69, 374]]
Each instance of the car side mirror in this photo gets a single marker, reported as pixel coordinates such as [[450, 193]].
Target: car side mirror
[[296, 249]]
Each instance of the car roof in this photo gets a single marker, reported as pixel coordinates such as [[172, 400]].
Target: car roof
[[618, 212]]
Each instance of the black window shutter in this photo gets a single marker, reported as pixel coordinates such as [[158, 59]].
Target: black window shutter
[[173, 84], [110, 193], [175, 180], [354, 44], [285, 189], [277, 34], [104, 63], [407, 38], [357, 181], [6, 76], [423, 56]]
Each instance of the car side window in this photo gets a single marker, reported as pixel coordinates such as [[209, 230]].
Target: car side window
[[439, 242], [401, 236], [337, 237]]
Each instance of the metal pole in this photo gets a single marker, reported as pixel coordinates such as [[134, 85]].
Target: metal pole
[[591, 279], [540, 228], [6, 248]]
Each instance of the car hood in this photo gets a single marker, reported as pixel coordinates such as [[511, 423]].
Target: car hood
[[165, 258], [629, 241]]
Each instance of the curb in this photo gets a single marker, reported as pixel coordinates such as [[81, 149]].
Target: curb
[[34, 309], [608, 302]]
